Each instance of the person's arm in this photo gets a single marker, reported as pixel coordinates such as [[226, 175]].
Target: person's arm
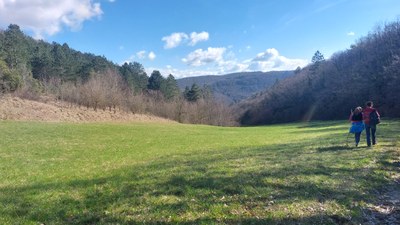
[[351, 115]]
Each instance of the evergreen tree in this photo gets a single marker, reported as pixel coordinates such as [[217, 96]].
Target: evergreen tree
[[194, 94], [135, 76], [186, 93], [171, 88], [156, 81], [41, 61], [15, 47], [2, 45], [140, 76], [318, 57], [9, 79], [58, 57]]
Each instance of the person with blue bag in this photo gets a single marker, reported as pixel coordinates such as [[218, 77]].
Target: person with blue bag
[[357, 124]]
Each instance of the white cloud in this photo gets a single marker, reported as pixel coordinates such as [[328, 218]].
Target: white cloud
[[152, 56], [141, 54], [272, 60], [197, 37], [351, 33], [201, 57], [223, 62], [48, 17], [231, 66], [219, 61], [178, 38], [269, 54], [181, 73], [174, 40]]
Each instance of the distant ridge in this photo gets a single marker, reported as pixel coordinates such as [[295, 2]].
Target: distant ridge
[[235, 87]]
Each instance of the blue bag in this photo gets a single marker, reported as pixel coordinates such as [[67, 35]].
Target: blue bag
[[356, 127]]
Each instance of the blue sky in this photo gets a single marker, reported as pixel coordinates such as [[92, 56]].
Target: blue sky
[[202, 37]]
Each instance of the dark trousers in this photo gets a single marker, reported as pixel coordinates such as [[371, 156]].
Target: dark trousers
[[370, 133], [357, 137]]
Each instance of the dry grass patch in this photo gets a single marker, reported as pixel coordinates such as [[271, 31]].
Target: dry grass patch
[[50, 110]]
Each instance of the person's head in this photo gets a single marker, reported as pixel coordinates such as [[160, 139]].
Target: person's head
[[358, 110], [369, 104]]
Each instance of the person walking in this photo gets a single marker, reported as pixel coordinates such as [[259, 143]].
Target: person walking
[[357, 125], [371, 118]]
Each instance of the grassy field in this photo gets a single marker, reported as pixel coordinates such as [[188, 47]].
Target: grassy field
[[91, 173]]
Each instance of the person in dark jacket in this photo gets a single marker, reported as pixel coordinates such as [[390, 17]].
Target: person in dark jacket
[[357, 125], [370, 128]]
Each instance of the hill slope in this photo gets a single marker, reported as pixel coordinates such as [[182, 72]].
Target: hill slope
[[14, 108], [236, 86], [327, 90]]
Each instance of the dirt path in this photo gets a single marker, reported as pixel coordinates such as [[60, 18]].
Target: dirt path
[[14, 108], [386, 210]]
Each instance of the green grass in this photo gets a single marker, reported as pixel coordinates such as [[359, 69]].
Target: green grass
[[92, 173]]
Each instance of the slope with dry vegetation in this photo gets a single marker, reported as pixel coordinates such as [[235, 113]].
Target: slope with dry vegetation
[[15, 108]]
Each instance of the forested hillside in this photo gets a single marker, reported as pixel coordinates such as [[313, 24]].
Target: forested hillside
[[32, 69], [232, 88], [328, 89], [24, 55]]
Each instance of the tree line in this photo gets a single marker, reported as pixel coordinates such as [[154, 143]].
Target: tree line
[[328, 89], [32, 68]]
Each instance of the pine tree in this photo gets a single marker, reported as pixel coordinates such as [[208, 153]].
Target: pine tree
[[156, 81], [171, 88], [135, 76], [9, 79], [318, 57], [16, 53], [193, 94]]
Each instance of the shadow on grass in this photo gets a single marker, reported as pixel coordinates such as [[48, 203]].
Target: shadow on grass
[[334, 148], [214, 192], [260, 221], [212, 187], [230, 186]]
